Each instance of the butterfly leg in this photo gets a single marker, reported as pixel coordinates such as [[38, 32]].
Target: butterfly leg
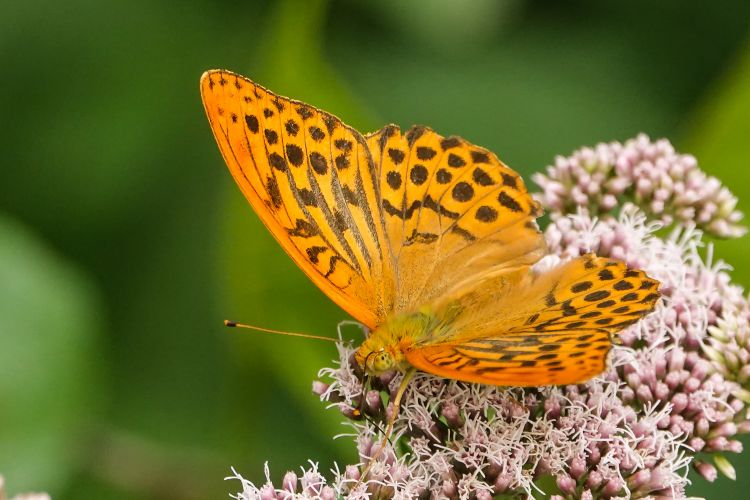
[[391, 421]]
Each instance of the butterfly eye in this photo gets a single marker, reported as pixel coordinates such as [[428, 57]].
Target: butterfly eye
[[382, 361]]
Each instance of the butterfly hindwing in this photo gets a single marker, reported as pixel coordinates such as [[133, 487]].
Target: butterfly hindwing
[[519, 360], [311, 180], [553, 328]]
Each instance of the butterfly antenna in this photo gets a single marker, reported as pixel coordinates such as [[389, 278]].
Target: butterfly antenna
[[234, 324]]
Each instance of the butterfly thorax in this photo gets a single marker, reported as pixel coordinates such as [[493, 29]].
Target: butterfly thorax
[[385, 348]]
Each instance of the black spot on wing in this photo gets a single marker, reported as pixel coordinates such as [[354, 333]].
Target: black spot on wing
[[592, 314], [291, 127], [623, 285], [462, 192], [272, 187], [332, 265], [486, 214], [304, 229], [277, 161], [443, 176], [388, 131], [343, 144], [304, 112], [307, 197], [294, 154], [438, 208], [330, 122], [393, 179], [313, 253], [467, 235], [396, 155], [417, 237], [581, 286], [596, 296], [481, 177], [252, 123], [271, 136], [349, 195], [450, 142], [480, 157], [342, 161], [455, 161], [509, 202], [317, 133], [425, 153], [414, 133], [318, 163], [606, 275], [418, 174], [509, 181]]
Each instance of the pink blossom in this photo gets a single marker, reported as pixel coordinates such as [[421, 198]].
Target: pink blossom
[[678, 381]]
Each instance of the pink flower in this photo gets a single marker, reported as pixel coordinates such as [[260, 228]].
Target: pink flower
[[666, 185], [678, 382]]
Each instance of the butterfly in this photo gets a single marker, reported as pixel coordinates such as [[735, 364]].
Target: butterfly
[[429, 241]]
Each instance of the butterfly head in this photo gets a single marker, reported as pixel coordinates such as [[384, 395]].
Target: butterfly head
[[376, 355], [384, 349], [377, 362]]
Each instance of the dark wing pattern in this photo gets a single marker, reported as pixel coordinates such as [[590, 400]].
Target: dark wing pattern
[[552, 329], [312, 181], [454, 214]]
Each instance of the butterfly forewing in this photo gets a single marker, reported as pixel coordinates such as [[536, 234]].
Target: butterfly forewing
[[311, 180], [453, 212]]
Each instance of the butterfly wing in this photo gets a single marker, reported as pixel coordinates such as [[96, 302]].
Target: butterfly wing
[[553, 328], [312, 181], [454, 214]]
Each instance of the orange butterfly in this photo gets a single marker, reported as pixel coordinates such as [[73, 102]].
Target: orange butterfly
[[427, 240]]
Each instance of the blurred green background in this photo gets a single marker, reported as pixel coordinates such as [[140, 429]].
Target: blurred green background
[[124, 243]]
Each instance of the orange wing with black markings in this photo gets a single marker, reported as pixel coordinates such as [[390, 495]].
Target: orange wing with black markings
[[312, 181], [553, 328], [395, 223], [454, 214]]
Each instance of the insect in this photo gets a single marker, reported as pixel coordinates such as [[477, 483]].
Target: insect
[[427, 240]]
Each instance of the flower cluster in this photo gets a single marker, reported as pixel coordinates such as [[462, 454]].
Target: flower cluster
[[668, 186], [678, 383], [681, 353]]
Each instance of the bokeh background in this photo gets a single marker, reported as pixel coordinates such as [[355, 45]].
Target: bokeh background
[[124, 243]]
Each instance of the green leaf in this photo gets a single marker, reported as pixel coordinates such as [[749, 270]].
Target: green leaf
[[719, 140], [48, 379]]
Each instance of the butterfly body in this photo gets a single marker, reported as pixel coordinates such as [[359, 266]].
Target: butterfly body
[[385, 347], [429, 241]]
